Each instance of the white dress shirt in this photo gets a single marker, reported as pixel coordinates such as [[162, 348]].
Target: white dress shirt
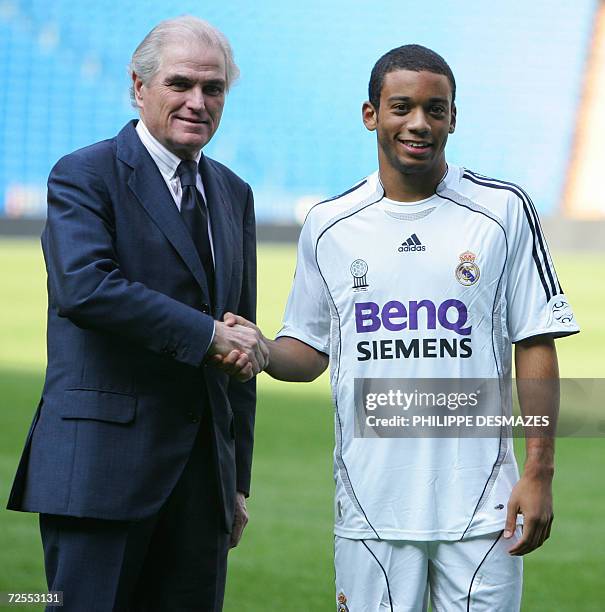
[[167, 164]]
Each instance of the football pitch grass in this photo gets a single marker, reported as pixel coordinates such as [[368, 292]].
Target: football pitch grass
[[285, 559]]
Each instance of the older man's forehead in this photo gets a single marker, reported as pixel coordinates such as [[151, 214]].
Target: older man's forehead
[[195, 55], [192, 70]]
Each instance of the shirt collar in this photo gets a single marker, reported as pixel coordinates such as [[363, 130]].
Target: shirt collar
[[166, 161]]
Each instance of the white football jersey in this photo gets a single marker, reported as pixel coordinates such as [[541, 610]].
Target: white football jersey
[[432, 289]]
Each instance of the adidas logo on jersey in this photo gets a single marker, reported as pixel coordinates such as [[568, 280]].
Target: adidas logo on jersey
[[412, 244]]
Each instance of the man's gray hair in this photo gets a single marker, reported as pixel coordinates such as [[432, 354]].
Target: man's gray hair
[[147, 56]]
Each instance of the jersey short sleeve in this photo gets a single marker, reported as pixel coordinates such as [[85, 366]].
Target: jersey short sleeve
[[536, 303], [307, 315]]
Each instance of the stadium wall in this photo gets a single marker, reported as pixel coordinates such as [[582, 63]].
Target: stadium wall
[[562, 234]]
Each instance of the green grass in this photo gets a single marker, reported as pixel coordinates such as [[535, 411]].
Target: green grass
[[285, 560]]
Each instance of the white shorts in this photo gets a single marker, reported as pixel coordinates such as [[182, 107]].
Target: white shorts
[[475, 575]]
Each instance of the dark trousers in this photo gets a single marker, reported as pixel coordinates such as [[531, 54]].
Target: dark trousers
[[175, 561]]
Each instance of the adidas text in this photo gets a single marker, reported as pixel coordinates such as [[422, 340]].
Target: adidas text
[[404, 248]]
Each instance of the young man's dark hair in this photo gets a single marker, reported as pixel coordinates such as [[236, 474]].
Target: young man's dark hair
[[407, 57]]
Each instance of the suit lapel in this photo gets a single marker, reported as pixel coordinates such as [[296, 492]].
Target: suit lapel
[[221, 222], [152, 193]]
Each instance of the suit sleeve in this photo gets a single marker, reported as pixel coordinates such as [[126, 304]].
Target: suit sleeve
[[86, 284], [242, 396]]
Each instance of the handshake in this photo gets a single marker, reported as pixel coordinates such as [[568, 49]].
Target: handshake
[[238, 348]]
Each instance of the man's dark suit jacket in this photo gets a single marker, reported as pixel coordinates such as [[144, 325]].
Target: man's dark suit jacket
[[129, 323]]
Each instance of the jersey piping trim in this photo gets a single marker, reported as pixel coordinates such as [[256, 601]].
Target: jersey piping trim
[[337, 197], [470, 586], [546, 332], [543, 245], [344, 472], [534, 226], [473, 207], [386, 578]]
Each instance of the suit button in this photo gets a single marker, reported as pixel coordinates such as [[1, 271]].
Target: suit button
[[205, 309], [194, 418], [173, 353]]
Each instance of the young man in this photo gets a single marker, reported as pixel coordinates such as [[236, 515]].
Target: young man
[[426, 270]]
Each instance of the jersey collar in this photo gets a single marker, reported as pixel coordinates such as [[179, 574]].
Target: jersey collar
[[450, 180]]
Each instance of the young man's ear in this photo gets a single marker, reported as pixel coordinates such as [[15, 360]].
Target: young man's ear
[[453, 119], [369, 116]]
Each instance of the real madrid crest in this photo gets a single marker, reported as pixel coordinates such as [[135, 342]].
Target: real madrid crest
[[467, 271], [342, 603]]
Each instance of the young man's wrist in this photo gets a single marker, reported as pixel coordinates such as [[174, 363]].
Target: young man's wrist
[[535, 468]]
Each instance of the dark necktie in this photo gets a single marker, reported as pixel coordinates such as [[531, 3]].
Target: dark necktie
[[194, 213]]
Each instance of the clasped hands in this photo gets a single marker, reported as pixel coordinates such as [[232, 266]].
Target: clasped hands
[[238, 348]]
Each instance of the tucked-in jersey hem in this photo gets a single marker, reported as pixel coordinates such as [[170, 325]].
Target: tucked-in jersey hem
[[419, 536]]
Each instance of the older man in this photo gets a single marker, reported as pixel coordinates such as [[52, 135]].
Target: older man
[[138, 458]]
